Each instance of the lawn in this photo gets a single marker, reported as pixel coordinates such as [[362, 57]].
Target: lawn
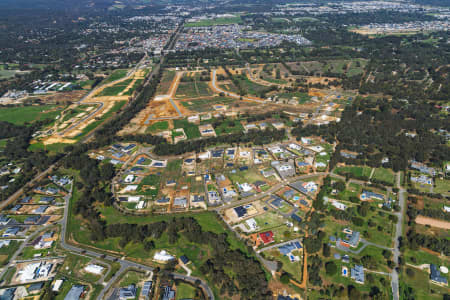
[[302, 97], [158, 126], [422, 286], [229, 126], [190, 129], [269, 220], [293, 268], [5, 74], [136, 84], [355, 171], [385, 175], [7, 252], [150, 180], [251, 87], [185, 291], [22, 115], [215, 22], [442, 186]]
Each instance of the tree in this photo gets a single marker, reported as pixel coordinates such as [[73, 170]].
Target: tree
[[331, 268], [285, 278], [326, 250]]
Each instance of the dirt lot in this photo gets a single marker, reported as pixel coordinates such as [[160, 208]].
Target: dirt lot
[[433, 222]]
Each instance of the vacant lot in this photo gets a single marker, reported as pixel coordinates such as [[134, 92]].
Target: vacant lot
[[21, 115]]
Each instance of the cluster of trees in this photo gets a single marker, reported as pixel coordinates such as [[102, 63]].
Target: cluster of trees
[[376, 129], [438, 244], [248, 279], [16, 151]]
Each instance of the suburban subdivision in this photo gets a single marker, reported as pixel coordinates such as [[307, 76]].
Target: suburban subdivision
[[172, 150]]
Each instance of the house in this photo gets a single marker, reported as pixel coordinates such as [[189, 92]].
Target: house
[[266, 237], [289, 194], [4, 243], [94, 269], [339, 205], [16, 208], [184, 259], [11, 231], [268, 172], [129, 179], [25, 200], [241, 211], [35, 287], [252, 225], [352, 238], [287, 249], [146, 289], [436, 277], [213, 197], [446, 208], [296, 218], [57, 285], [46, 200], [180, 202], [423, 168], [41, 209], [169, 294], [4, 220], [75, 292], [357, 274], [284, 169], [163, 256], [304, 187], [128, 292], [366, 195], [422, 179], [277, 202]]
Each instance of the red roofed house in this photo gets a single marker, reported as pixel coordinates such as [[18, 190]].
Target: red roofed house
[[266, 237]]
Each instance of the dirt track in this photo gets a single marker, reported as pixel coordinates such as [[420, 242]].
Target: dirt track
[[433, 222]]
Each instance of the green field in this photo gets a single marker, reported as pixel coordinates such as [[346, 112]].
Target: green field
[[152, 180], [158, 126], [116, 89], [203, 105], [216, 21], [115, 75], [185, 291], [7, 252], [355, 171], [385, 175], [302, 97], [229, 126], [190, 129], [5, 74], [27, 114]]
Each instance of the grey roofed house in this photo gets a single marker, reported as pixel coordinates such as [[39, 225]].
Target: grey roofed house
[[163, 200], [184, 259], [146, 289], [75, 292], [32, 219], [47, 200], [11, 231], [41, 209], [289, 194], [128, 292], [277, 201], [284, 169], [4, 219], [435, 275], [357, 274], [180, 201], [35, 287], [25, 200], [7, 294], [15, 209], [169, 294], [353, 239]]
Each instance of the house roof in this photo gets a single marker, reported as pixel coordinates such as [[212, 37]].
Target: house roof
[[266, 237]]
